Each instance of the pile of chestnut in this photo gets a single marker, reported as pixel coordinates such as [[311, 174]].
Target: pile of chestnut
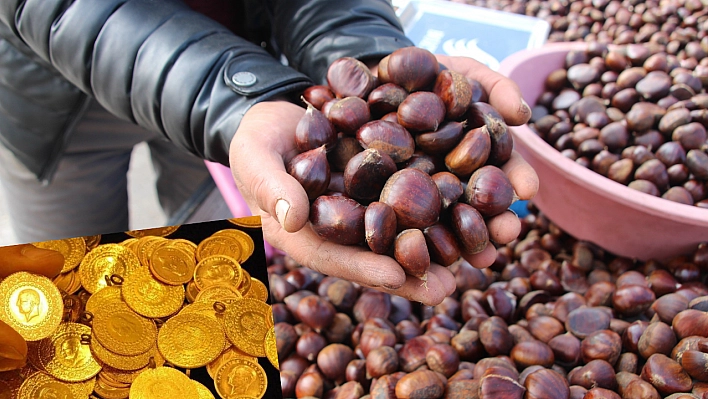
[[674, 23], [405, 162], [634, 114], [554, 317]]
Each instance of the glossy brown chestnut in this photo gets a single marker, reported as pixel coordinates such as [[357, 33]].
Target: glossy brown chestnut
[[470, 228], [314, 130], [381, 361], [497, 386], [338, 219], [441, 140], [366, 173], [412, 68], [414, 198], [411, 252], [421, 111], [442, 244], [420, 384], [455, 91], [386, 98], [489, 191], [470, 153], [311, 170], [388, 137], [379, 227], [349, 114], [547, 384], [666, 375], [348, 76]]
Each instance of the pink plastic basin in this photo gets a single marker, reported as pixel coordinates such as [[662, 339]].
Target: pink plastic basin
[[588, 205]]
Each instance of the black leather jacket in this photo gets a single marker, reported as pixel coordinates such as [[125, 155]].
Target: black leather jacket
[[165, 67]]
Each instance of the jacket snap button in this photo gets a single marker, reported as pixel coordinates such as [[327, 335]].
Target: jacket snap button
[[244, 79]]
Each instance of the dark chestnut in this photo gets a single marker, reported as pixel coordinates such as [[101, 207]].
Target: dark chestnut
[[366, 173], [311, 170], [421, 112], [414, 198], [379, 227], [412, 68], [410, 250], [390, 138], [489, 191], [338, 219], [349, 77]]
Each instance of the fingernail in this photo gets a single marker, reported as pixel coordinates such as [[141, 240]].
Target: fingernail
[[281, 211], [34, 253], [525, 107]]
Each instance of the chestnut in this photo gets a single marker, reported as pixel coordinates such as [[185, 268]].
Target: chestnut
[[338, 219], [389, 138], [470, 153], [455, 92], [366, 173], [441, 140], [414, 198], [469, 226], [546, 383], [380, 227], [348, 77], [386, 98], [412, 68], [489, 191], [381, 361], [421, 112], [666, 375], [311, 170], [411, 251], [420, 384], [314, 130], [333, 360]]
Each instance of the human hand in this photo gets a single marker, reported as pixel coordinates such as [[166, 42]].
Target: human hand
[[265, 142], [28, 258], [504, 95]]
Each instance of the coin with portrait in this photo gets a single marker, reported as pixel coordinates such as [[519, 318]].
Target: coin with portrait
[[30, 304], [122, 331], [246, 323], [64, 356], [240, 378], [163, 382], [217, 270], [172, 265]]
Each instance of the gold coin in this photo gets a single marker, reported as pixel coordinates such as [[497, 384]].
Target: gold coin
[[30, 304], [218, 292], [204, 392], [219, 245], [65, 281], [241, 378], [42, 385], [231, 353], [73, 250], [92, 241], [191, 291], [258, 290], [122, 331], [245, 284], [83, 389], [106, 297], [106, 391], [149, 297], [130, 244], [247, 322], [191, 340], [146, 246], [104, 261], [163, 382], [157, 231], [271, 349], [217, 269], [121, 376], [244, 240], [187, 245], [253, 222], [120, 362], [75, 283], [172, 265], [65, 357], [204, 308]]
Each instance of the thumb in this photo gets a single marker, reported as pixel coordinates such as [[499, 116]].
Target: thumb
[[27, 257], [13, 348], [264, 139]]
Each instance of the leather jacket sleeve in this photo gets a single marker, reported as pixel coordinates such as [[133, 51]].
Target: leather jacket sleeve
[[313, 34], [167, 68]]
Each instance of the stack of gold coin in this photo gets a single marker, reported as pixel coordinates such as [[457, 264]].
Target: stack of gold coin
[[123, 319]]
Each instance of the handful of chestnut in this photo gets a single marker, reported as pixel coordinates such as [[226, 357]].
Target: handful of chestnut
[[406, 162]]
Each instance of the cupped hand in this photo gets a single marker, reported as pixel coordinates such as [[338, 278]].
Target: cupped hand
[[264, 143], [27, 258]]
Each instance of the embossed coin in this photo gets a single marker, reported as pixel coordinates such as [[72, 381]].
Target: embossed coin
[[246, 282], [120, 362], [157, 231], [163, 382], [104, 261], [244, 240], [122, 331], [43, 385], [191, 291], [229, 354], [149, 297], [105, 297], [106, 389], [219, 245], [73, 250], [253, 222], [246, 324], [218, 293], [258, 290], [187, 245], [217, 269], [191, 340], [240, 378], [172, 265], [65, 357], [145, 246], [30, 304], [271, 348]]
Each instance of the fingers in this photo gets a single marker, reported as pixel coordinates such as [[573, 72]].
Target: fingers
[[482, 259], [257, 152], [439, 284], [522, 176], [504, 228], [27, 257], [13, 349]]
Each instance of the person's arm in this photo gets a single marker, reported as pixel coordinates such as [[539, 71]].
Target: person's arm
[[156, 63], [313, 34]]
